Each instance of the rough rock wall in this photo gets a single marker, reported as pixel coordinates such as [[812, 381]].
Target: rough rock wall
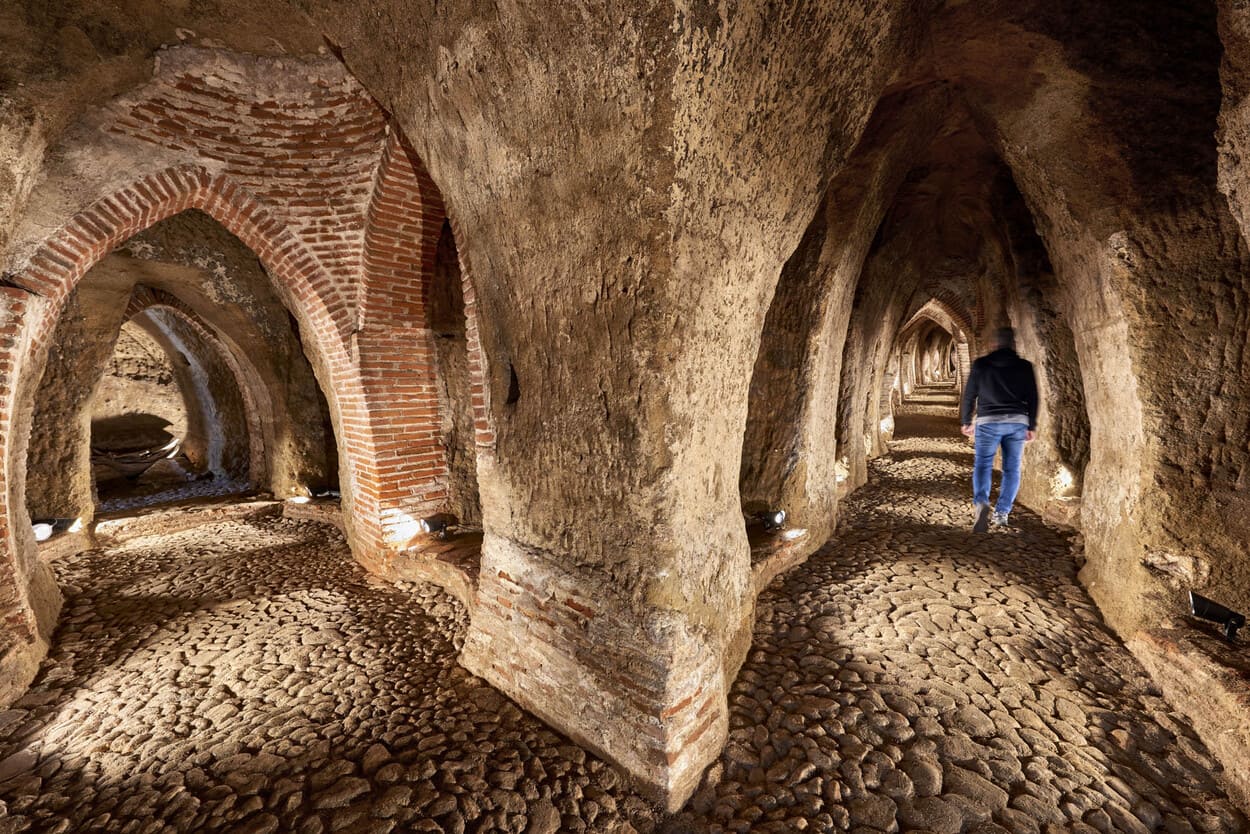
[[1041, 294], [631, 322], [447, 319], [138, 380], [62, 57], [59, 483]]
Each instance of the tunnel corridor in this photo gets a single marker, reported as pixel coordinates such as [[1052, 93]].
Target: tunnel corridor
[[246, 676], [456, 416]]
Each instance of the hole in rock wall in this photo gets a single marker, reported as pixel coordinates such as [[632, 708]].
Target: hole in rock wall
[[514, 387]]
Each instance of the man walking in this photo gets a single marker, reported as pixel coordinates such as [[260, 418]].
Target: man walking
[[1003, 391]]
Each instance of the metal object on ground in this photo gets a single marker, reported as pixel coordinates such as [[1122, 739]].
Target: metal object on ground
[[1212, 611], [772, 519], [438, 524], [133, 464]]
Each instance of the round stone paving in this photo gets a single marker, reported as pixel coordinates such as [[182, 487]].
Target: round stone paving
[[246, 676]]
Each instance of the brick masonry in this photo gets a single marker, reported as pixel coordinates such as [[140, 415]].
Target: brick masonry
[[635, 686], [300, 164]]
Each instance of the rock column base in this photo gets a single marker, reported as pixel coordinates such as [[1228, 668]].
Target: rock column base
[[649, 697]]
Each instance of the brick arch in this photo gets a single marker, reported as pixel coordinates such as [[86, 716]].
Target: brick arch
[[34, 297], [949, 308], [403, 224], [943, 310], [483, 421], [257, 406]]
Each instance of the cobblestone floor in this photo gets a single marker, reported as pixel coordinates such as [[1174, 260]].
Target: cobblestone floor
[[123, 497], [246, 677], [913, 676]]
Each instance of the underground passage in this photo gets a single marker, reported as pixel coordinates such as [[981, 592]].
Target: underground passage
[[464, 417]]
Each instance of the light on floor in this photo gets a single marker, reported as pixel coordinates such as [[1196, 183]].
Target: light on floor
[[772, 519], [1212, 611], [1062, 482]]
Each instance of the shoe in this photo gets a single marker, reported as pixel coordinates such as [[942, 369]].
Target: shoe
[[999, 521], [982, 522]]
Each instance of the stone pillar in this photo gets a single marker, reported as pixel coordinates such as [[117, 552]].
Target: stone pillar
[[622, 255], [963, 365], [885, 406]]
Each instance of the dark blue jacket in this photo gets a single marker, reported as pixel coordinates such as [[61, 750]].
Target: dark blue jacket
[[1000, 384]]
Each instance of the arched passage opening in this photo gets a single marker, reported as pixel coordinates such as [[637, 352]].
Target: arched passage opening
[[956, 256], [347, 258], [47, 288], [135, 459], [165, 381], [449, 326], [925, 354]]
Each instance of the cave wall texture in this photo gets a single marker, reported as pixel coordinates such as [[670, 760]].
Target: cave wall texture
[[599, 277], [139, 379]]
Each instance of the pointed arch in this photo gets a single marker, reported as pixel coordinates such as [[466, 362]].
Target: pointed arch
[[34, 296]]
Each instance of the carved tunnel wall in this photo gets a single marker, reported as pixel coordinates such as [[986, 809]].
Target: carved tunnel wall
[[688, 284], [293, 159]]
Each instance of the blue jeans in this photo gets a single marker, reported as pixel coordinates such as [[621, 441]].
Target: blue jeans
[[989, 436]]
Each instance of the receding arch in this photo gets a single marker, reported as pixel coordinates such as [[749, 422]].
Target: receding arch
[[258, 406], [217, 439], [36, 295]]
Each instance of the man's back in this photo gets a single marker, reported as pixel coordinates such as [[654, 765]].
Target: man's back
[[1003, 391], [1001, 384]]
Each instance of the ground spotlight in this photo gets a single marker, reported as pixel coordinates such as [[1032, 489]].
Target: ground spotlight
[[1212, 611], [771, 519], [45, 528], [438, 524]]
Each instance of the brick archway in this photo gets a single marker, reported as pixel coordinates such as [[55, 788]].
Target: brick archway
[[948, 314], [393, 339], [34, 298], [936, 309]]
